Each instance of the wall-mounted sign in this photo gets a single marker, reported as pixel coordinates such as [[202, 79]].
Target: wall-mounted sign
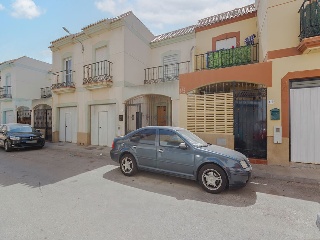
[[120, 118]]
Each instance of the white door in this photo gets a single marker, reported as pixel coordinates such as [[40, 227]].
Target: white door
[[103, 128], [8, 117], [103, 124], [68, 125], [305, 127]]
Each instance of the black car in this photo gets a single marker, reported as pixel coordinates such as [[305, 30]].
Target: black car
[[17, 136]]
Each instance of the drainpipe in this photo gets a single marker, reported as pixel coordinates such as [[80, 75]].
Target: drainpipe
[[191, 58]]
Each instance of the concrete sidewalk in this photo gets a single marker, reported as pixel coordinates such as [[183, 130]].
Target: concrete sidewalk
[[295, 172]]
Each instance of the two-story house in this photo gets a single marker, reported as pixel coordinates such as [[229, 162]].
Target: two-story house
[[21, 82], [114, 77], [255, 87]]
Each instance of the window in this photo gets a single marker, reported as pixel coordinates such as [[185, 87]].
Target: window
[[68, 70], [99, 68], [169, 138], [226, 43], [170, 66], [146, 136]]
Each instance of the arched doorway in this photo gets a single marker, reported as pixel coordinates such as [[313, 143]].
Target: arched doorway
[[237, 108], [43, 120], [23, 115], [147, 110]]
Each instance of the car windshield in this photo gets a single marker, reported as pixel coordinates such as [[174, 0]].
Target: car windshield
[[20, 128], [192, 138]]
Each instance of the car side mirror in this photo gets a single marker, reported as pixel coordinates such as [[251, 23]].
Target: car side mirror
[[183, 146]]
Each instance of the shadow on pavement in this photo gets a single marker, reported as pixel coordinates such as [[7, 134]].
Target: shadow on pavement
[[41, 167], [183, 189]]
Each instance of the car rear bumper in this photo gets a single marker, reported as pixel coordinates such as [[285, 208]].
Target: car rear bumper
[[114, 155]]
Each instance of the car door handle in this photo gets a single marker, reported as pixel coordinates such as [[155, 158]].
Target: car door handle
[[134, 147], [160, 150]]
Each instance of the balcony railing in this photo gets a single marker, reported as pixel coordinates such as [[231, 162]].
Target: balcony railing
[[5, 92], [46, 92], [166, 73], [64, 82], [97, 75], [227, 57], [309, 19]]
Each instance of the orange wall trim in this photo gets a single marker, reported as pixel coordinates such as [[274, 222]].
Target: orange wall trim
[[229, 21], [226, 36], [287, 52], [260, 73], [309, 43], [301, 75]]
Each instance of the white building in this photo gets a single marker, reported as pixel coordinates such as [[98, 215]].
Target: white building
[[114, 77], [21, 81]]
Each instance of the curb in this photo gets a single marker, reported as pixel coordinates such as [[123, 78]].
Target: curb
[[259, 174]]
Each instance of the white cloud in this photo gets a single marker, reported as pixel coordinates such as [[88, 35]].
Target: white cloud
[[1, 7], [25, 9], [162, 14]]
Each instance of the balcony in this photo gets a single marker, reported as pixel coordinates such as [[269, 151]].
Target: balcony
[[5, 93], [166, 73], [309, 26], [46, 92], [97, 75], [227, 57], [66, 86]]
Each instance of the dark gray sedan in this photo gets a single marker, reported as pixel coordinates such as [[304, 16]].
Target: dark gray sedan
[[178, 152], [17, 136]]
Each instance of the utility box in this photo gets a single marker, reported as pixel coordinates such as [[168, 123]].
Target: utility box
[[275, 114], [277, 134]]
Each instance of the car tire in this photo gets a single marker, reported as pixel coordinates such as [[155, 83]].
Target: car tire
[[212, 178], [7, 146], [128, 165]]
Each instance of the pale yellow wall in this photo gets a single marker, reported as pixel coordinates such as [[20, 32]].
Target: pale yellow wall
[[280, 67], [283, 24], [204, 38], [262, 26]]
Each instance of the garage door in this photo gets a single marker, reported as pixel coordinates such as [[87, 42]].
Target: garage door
[[103, 124], [305, 119], [8, 117], [68, 125]]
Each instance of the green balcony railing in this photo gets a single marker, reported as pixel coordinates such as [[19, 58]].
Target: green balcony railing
[[309, 19], [227, 57]]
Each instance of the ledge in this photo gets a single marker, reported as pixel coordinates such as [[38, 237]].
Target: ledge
[[308, 45], [98, 85], [64, 90]]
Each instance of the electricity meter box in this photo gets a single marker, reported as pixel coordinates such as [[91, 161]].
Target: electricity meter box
[[277, 134]]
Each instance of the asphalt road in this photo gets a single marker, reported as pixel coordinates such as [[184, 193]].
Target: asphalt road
[[59, 194]]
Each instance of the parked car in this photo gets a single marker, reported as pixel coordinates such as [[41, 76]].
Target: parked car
[[16, 136], [178, 152]]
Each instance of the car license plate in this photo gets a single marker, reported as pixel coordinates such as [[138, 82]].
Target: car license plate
[[31, 141]]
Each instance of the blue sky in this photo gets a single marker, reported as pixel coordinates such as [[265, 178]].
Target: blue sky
[[28, 26]]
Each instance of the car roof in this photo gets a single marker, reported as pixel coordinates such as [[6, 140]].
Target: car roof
[[163, 127], [20, 124]]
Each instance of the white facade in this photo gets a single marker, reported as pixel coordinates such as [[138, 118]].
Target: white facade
[[100, 100], [21, 81]]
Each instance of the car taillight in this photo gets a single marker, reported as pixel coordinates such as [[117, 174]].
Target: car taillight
[[112, 146]]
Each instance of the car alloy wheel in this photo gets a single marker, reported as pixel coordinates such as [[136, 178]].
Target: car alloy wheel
[[128, 165], [212, 178]]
